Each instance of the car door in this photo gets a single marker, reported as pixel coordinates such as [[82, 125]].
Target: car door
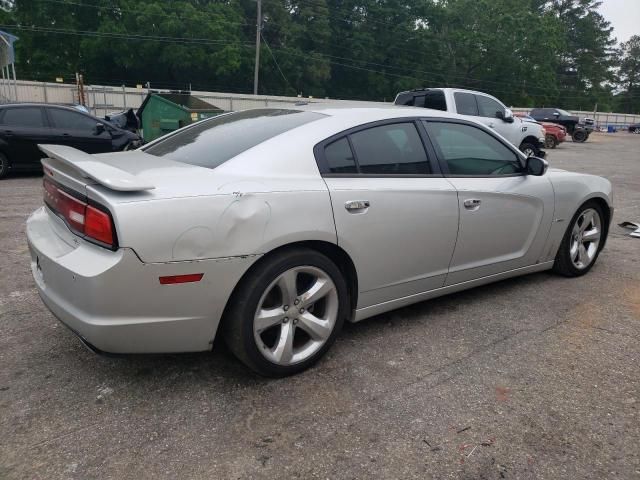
[[21, 129], [78, 130], [505, 214], [395, 214], [488, 109]]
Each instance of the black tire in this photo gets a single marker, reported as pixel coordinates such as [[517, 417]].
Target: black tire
[[526, 147], [563, 264], [4, 166], [635, 130], [580, 136], [239, 315], [550, 141]]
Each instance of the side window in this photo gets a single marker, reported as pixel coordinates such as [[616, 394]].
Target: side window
[[23, 117], [468, 150], [435, 100], [390, 149], [466, 103], [488, 107], [339, 157], [71, 120]]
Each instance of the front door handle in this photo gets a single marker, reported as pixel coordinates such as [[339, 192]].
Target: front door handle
[[472, 204], [357, 206]]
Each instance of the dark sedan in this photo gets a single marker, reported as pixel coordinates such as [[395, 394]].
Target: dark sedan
[[23, 126]]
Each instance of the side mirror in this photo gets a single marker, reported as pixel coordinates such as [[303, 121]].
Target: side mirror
[[505, 116], [536, 166], [99, 128]]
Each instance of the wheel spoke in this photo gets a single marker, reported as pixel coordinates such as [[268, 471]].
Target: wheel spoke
[[283, 350], [582, 255], [317, 328], [287, 284], [268, 317], [587, 219], [319, 289], [592, 235], [573, 252]]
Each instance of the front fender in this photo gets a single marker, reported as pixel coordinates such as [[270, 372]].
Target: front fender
[[571, 190]]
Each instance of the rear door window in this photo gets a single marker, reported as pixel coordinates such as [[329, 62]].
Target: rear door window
[[212, 142], [68, 120], [340, 157], [24, 117], [394, 149], [466, 103]]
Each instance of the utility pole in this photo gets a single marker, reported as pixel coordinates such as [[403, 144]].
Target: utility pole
[[257, 67]]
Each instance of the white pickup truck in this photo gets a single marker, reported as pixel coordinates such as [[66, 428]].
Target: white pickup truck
[[528, 137]]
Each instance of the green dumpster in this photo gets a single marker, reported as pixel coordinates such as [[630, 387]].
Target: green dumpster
[[162, 113]]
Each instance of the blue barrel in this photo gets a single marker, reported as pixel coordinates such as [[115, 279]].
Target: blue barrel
[[611, 129]]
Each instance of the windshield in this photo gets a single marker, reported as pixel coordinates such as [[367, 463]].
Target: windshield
[[212, 142], [564, 112]]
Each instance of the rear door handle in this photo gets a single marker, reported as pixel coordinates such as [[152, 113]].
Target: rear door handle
[[472, 204], [357, 206]]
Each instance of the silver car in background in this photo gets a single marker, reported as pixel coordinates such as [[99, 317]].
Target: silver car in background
[[273, 226]]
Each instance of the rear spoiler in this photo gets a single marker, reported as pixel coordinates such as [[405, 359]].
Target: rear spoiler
[[95, 169]]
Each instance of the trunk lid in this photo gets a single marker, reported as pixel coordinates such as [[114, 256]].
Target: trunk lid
[[126, 176]]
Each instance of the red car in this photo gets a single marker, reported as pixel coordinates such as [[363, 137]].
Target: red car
[[554, 133]]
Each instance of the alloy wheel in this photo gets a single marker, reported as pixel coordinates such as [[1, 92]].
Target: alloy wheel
[[296, 315], [585, 239]]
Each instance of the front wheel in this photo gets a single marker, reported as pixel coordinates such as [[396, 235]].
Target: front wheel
[[636, 130], [550, 141], [580, 136], [580, 246], [286, 313]]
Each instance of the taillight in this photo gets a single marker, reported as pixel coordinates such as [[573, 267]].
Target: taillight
[[94, 224]]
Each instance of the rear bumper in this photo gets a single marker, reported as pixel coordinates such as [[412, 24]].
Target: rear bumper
[[116, 303]]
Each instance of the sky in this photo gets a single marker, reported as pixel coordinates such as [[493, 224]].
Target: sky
[[624, 16]]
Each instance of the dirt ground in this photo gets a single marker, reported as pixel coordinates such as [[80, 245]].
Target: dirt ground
[[535, 377]]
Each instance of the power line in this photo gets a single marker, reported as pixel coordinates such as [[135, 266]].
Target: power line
[[276, 62]]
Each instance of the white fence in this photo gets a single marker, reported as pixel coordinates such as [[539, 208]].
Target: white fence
[[105, 99]]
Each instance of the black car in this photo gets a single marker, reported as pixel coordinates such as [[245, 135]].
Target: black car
[[579, 131], [23, 126], [634, 128]]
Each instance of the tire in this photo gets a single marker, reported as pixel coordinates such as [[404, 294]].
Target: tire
[[571, 260], [580, 136], [4, 166], [636, 130], [550, 141], [280, 342], [528, 149]]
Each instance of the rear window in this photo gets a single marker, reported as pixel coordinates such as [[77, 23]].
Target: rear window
[[212, 142]]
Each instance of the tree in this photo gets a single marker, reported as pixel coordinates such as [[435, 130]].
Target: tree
[[629, 76]]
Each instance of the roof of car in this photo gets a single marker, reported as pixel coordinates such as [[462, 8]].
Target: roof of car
[[372, 111]]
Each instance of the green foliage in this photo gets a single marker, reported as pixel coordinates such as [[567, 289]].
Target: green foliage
[[526, 52]]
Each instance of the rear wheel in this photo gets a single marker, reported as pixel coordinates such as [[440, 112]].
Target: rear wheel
[[580, 246], [528, 149], [286, 313], [636, 130], [4, 166]]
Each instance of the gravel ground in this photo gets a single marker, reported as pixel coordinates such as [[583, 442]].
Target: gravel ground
[[535, 377]]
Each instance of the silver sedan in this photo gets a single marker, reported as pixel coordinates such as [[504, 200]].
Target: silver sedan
[[274, 226]]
